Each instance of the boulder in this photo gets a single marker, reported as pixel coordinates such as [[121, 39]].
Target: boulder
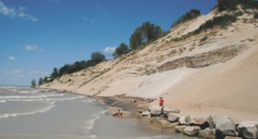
[[173, 125], [182, 120], [207, 133], [213, 119], [163, 122], [248, 129], [145, 113], [155, 110], [180, 128], [191, 130], [172, 118], [167, 110], [225, 126], [197, 120]]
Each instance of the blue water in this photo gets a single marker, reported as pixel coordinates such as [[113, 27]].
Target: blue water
[[27, 113]]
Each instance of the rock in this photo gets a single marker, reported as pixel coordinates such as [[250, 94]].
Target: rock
[[146, 113], [229, 137], [191, 130], [225, 126], [172, 118], [180, 128], [155, 110], [248, 129], [207, 133], [182, 120], [167, 110], [163, 122], [197, 120], [213, 120], [173, 125]]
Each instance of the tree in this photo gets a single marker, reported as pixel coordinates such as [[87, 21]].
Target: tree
[[150, 31], [136, 38], [55, 73], [145, 33], [122, 49], [33, 83], [97, 57], [40, 81]]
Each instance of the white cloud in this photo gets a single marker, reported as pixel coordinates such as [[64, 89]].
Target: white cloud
[[11, 58], [33, 48], [15, 12], [21, 75], [109, 50], [38, 73], [14, 74]]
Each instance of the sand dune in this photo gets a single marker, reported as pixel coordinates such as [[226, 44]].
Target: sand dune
[[228, 86]]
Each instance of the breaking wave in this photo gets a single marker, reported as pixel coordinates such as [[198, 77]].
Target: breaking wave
[[7, 115]]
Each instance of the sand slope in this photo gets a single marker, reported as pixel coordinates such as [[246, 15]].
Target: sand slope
[[228, 86]]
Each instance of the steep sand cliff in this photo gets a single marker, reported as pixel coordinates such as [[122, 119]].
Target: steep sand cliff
[[215, 75]]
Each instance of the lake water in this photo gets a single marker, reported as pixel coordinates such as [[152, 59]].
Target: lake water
[[27, 113]]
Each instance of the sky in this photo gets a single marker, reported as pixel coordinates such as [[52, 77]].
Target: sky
[[38, 35]]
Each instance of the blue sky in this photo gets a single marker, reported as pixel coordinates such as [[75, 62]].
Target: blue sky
[[38, 35]]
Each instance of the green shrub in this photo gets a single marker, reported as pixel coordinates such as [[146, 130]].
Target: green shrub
[[193, 13], [219, 21], [230, 5], [204, 38]]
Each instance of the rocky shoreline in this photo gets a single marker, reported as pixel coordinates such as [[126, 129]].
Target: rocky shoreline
[[208, 127]]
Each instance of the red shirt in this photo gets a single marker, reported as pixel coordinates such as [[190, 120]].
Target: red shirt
[[161, 101]]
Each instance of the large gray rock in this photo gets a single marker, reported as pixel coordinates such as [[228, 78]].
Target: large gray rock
[[213, 120], [146, 113], [182, 120], [191, 130], [172, 118], [155, 110], [197, 120], [225, 126], [248, 129], [180, 128], [207, 133], [167, 110]]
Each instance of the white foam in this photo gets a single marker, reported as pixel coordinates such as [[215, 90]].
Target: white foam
[[90, 123], [30, 97], [89, 101], [2, 101], [7, 115], [24, 92], [42, 99]]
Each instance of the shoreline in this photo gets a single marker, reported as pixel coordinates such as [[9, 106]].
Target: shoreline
[[191, 125], [130, 107]]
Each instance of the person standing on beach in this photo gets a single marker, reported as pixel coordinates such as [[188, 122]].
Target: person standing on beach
[[161, 101]]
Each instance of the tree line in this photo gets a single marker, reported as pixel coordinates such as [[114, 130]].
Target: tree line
[[96, 58], [143, 34]]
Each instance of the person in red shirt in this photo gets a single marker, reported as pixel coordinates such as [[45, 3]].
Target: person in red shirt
[[161, 101]]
